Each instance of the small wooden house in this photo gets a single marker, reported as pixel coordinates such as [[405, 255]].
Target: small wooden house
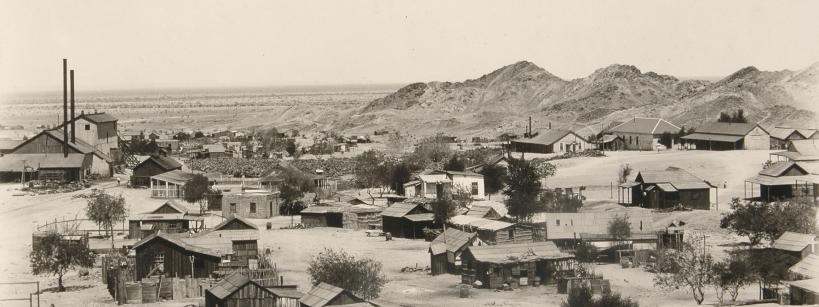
[[799, 245], [667, 188], [445, 250], [325, 294], [780, 136], [171, 256], [238, 290], [552, 141], [492, 231], [515, 264], [154, 165], [341, 215], [782, 180], [485, 212], [407, 219], [804, 292], [170, 217]]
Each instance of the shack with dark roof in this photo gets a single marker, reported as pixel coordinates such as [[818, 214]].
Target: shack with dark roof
[[154, 165]]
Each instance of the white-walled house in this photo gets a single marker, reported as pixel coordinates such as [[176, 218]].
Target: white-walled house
[[552, 141], [425, 185]]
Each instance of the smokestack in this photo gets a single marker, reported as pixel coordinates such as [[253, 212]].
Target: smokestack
[[73, 134], [65, 107], [550, 125]]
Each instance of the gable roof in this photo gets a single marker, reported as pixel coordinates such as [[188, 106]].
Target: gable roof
[[785, 133], [808, 266], [518, 252], [286, 292], [79, 145], [780, 168], [794, 242], [450, 240], [177, 176], [231, 283], [322, 294], [677, 177], [179, 241], [549, 137], [399, 209], [480, 211], [165, 163], [806, 147], [238, 219], [646, 126], [737, 129], [98, 117], [173, 205]]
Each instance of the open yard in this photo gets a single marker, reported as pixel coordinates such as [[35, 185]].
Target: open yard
[[293, 248]]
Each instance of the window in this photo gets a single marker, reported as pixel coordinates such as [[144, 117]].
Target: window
[[232, 207], [252, 207], [557, 222], [159, 261], [474, 188], [87, 127], [511, 233], [629, 140]]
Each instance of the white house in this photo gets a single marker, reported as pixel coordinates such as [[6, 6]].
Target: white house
[[426, 185]]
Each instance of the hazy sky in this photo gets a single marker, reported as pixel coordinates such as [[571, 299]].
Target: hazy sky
[[146, 44]]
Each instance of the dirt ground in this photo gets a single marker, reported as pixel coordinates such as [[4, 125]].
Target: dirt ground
[[292, 249]]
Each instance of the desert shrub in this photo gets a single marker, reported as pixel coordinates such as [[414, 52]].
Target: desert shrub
[[363, 276]]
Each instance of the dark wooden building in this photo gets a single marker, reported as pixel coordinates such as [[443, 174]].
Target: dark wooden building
[[782, 180], [166, 255], [237, 290], [170, 217], [492, 231], [152, 166], [665, 189], [445, 250], [522, 264], [328, 295], [407, 219]]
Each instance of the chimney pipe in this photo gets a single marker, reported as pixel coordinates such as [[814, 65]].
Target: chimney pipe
[[65, 108], [73, 134], [550, 125], [530, 126]]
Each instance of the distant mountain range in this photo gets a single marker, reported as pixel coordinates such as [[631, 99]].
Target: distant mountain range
[[502, 100]]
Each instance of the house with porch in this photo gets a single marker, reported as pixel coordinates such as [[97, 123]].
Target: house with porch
[[170, 217], [154, 165], [781, 180], [171, 184], [552, 141], [659, 189], [520, 264], [728, 136]]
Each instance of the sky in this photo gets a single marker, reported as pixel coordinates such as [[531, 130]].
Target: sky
[[167, 44]]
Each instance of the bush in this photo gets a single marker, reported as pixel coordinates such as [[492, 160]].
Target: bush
[[363, 277], [582, 297]]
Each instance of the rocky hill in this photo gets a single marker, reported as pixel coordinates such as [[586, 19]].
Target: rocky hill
[[502, 100]]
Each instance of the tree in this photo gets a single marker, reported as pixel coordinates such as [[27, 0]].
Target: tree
[[582, 297], [522, 190], [585, 252], [105, 210], [400, 175], [494, 179], [198, 134], [455, 164], [371, 170], [767, 221], [687, 268], [724, 117], [770, 266], [619, 228], [292, 148], [623, 173], [443, 209], [731, 275], [55, 256], [363, 277], [291, 197], [196, 189], [739, 117]]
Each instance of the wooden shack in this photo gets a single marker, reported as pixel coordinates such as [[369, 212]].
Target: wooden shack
[[492, 231], [322, 215], [407, 219], [325, 294], [659, 189], [445, 250], [782, 180], [152, 166], [238, 290], [521, 264], [799, 245], [169, 256], [170, 217]]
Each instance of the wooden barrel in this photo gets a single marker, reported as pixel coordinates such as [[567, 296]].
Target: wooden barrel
[[148, 292], [463, 291], [133, 293]]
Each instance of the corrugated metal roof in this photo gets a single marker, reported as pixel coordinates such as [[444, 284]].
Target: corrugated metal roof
[[320, 295], [399, 209], [645, 126], [678, 177], [450, 240], [811, 285], [808, 266], [794, 242], [225, 287], [286, 292], [15, 162], [520, 252], [420, 217], [165, 163], [738, 129], [181, 243], [712, 137]]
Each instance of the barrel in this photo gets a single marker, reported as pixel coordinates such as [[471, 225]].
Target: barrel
[[463, 291], [148, 292], [133, 293]]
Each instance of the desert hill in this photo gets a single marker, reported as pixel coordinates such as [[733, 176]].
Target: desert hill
[[502, 100]]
